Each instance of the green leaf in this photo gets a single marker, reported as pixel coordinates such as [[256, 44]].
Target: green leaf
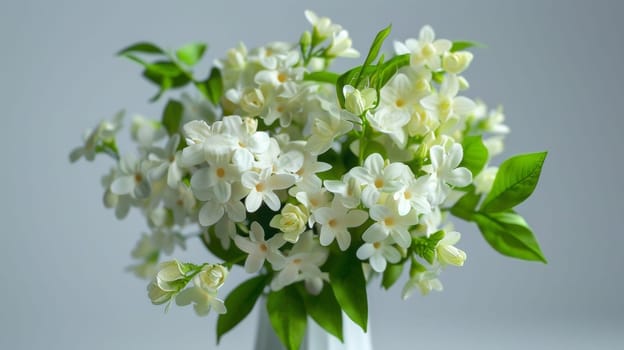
[[323, 77], [475, 154], [425, 247], [462, 45], [213, 244], [191, 53], [515, 181], [164, 68], [141, 47], [373, 52], [212, 87], [349, 285], [324, 309], [288, 316], [466, 206], [239, 303], [391, 274], [157, 79], [172, 116], [509, 234]]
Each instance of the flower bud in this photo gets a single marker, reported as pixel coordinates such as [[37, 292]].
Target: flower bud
[[170, 272], [211, 277], [252, 101], [292, 221], [357, 101], [456, 62]]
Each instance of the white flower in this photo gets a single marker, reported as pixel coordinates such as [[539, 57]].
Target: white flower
[[390, 223], [168, 159], [444, 169], [260, 250], [424, 51], [104, 132], [132, 178], [456, 62], [262, 185], [494, 122], [447, 253], [323, 26], [349, 190], [292, 222], [216, 179], [302, 264], [378, 178], [335, 223], [198, 108], [379, 254], [213, 209], [340, 46], [425, 281], [397, 101], [204, 292], [484, 181], [445, 104], [415, 195], [146, 132], [325, 128], [312, 195]]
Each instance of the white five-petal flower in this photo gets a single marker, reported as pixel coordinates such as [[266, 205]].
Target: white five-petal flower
[[260, 250]]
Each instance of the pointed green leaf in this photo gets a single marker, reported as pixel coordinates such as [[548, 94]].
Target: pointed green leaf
[[374, 51], [288, 316], [509, 234], [349, 285], [239, 303], [391, 275], [323, 77], [466, 206], [324, 309], [172, 116], [212, 87], [143, 48], [515, 181], [475, 154], [463, 45], [191, 53]]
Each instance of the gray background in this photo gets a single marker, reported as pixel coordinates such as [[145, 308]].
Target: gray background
[[555, 66]]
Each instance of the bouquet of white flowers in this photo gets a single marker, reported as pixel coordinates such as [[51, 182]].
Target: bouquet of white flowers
[[313, 181]]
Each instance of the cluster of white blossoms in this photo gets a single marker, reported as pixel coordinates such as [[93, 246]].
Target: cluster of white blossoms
[[293, 165]]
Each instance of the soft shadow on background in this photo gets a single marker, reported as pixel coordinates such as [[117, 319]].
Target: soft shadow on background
[[555, 66]]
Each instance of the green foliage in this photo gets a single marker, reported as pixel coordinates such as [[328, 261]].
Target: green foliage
[[239, 303], [141, 47], [172, 116], [323, 77], [212, 87], [391, 275], [349, 286], [376, 76], [230, 256], [191, 53], [373, 52], [475, 154], [509, 234], [515, 181], [463, 45], [288, 316], [425, 247], [324, 309], [466, 206]]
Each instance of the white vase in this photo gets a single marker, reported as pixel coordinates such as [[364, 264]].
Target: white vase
[[316, 338]]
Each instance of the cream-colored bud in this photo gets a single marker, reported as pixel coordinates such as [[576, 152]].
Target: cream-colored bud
[[357, 101], [251, 124], [169, 272], [456, 62], [451, 255], [292, 222], [252, 101], [211, 277], [157, 295]]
